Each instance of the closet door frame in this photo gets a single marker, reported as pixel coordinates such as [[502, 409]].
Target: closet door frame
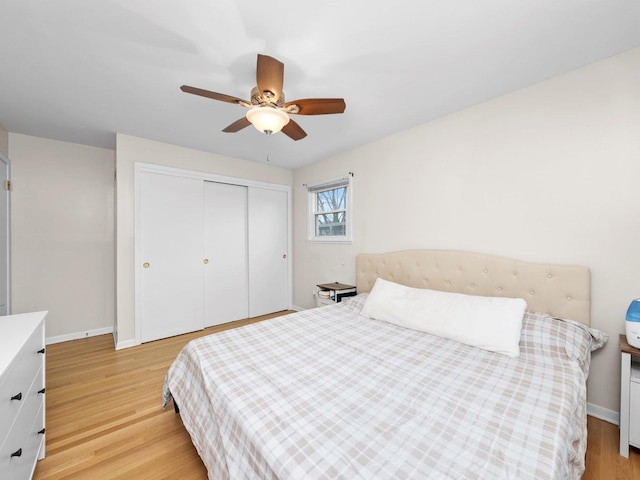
[[5, 165], [140, 168]]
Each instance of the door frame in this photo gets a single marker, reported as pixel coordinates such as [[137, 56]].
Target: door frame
[[7, 165], [139, 168]]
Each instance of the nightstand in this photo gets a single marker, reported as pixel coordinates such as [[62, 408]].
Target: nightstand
[[332, 293], [629, 396]]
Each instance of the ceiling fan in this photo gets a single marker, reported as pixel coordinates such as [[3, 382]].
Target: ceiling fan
[[268, 110]]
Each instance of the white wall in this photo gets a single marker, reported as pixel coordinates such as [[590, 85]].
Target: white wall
[[4, 141], [62, 237], [549, 173], [132, 149]]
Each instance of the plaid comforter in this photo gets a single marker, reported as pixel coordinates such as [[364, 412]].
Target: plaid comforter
[[330, 394]]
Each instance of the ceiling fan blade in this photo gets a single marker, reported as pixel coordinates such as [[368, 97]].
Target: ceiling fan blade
[[237, 125], [294, 131], [319, 106], [270, 75], [216, 96]]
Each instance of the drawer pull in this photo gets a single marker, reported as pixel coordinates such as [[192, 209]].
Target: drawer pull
[[17, 397], [41, 432], [41, 350], [17, 453], [43, 390]]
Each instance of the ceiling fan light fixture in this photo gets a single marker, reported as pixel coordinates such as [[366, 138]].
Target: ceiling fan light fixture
[[267, 119], [268, 110]]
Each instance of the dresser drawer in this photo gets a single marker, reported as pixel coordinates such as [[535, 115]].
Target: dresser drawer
[[31, 401], [24, 374], [27, 443]]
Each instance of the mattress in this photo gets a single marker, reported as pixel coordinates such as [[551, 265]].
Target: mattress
[[330, 394]]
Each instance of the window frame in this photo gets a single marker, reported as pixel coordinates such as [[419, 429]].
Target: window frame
[[312, 204]]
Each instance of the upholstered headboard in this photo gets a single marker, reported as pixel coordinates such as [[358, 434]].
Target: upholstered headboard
[[559, 290]]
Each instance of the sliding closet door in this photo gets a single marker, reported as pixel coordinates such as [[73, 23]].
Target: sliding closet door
[[171, 255], [268, 249], [227, 276]]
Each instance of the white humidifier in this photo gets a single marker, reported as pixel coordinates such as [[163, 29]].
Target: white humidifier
[[633, 324]]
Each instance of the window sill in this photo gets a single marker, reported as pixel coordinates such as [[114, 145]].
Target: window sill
[[338, 241]]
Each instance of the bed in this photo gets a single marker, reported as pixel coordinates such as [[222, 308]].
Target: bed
[[330, 393]]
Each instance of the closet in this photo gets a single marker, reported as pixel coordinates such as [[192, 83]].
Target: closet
[[207, 252]]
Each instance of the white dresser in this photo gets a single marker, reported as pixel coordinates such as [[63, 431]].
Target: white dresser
[[22, 394]]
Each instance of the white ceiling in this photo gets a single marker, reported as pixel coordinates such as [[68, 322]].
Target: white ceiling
[[82, 70]]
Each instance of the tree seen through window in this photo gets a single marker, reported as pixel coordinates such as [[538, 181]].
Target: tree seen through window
[[331, 212]]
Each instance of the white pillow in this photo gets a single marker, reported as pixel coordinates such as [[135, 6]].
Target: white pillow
[[491, 323]]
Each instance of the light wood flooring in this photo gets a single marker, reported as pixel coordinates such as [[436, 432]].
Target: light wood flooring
[[105, 418]]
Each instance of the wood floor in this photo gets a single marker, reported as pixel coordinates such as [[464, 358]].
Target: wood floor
[[105, 418], [104, 412]]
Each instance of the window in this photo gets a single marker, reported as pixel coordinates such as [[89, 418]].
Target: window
[[330, 211]]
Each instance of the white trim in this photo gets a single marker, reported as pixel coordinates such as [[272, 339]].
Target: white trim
[[289, 246], [7, 162], [78, 335], [602, 413], [141, 167], [332, 242], [126, 344], [297, 308]]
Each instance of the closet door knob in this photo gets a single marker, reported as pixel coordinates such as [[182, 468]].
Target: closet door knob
[[42, 390], [41, 432], [146, 265], [205, 261], [17, 453], [42, 350], [17, 397], [284, 256]]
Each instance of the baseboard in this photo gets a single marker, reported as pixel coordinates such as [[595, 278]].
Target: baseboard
[[602, 413], [125, 344], [78, 335], [297, 308]]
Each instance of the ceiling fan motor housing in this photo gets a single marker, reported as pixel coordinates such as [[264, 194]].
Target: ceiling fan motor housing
[[266, 98]]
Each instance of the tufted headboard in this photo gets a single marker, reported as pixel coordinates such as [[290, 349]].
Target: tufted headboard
[[559, 290]]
